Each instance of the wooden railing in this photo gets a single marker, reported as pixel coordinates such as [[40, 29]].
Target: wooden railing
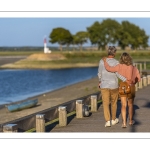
[[37, 122]]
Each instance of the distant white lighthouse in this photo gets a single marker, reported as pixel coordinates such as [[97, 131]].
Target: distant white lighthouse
[[46, 50]]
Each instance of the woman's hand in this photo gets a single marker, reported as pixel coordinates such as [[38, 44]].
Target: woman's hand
[[104, 58]]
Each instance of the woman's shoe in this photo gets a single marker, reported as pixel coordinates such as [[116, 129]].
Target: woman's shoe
[[131, 123], [124, 125]]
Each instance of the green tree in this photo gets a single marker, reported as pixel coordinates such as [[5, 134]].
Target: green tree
[[109, 31], [60, 36], [95, 34], [124, 38], [130, 34], [80, 38], [103, 33]]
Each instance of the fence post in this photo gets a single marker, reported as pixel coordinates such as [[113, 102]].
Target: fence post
[[144, 81], [10, 128], [141, 67], [40, 123], [79, 109], [141, 84], [93, 103], [148, 79], [144, 65], [136, 86], [137, 65], [62, 116]]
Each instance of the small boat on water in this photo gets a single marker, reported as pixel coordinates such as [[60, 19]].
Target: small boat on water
[[22, 105]]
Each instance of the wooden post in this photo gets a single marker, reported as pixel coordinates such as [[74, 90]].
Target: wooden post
[[144, 65], [10, 128], [94, 103], [137, 65], [62, 116], [136, 87], [141, 84], [141, 69], [40, 123], [148, 79], [79, 109], [144, 81]]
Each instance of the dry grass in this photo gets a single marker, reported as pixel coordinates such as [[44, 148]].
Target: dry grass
[[46, 57]]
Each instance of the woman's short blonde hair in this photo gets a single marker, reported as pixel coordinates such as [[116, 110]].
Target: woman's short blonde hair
[[125, 58]]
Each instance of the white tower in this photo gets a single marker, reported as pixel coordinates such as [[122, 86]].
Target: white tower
[[46, 50]]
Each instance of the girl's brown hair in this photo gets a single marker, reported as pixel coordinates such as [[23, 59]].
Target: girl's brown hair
[[126, 59]]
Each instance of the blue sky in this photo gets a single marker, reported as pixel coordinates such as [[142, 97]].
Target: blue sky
[[28, 31], [26, 23]]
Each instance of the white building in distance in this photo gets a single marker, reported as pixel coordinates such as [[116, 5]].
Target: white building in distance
[[46, 50]]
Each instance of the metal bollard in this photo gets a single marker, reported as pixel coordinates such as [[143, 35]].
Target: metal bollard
[[40, 123], [62, 116], [94, 103], [86, 110], [79, 108], [10, 128], [148, 79], [144, 81]]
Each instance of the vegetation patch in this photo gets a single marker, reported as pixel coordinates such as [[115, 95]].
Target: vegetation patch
[[70, 59], [46, 57]]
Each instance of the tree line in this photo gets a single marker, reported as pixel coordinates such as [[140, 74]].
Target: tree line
[[101, 34]]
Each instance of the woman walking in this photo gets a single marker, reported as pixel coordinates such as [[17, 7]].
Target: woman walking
[[132, 75]]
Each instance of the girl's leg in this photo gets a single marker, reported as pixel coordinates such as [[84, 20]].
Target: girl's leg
[[130, 109], [130, 104], [123, 110]]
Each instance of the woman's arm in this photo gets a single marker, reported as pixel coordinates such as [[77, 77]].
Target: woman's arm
[[110, 68]]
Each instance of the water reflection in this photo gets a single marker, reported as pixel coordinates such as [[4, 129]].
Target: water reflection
[[21, 84]]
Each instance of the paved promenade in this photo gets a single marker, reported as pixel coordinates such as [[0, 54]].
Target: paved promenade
[[95, 122]]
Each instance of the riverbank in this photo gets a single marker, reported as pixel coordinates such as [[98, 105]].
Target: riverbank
[[65, 59], [53, 98], [43, 61]]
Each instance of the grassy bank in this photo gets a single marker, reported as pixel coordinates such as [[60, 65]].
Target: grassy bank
[[73, 59]]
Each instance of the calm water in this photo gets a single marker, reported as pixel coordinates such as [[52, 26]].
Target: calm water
[[18, 85]]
